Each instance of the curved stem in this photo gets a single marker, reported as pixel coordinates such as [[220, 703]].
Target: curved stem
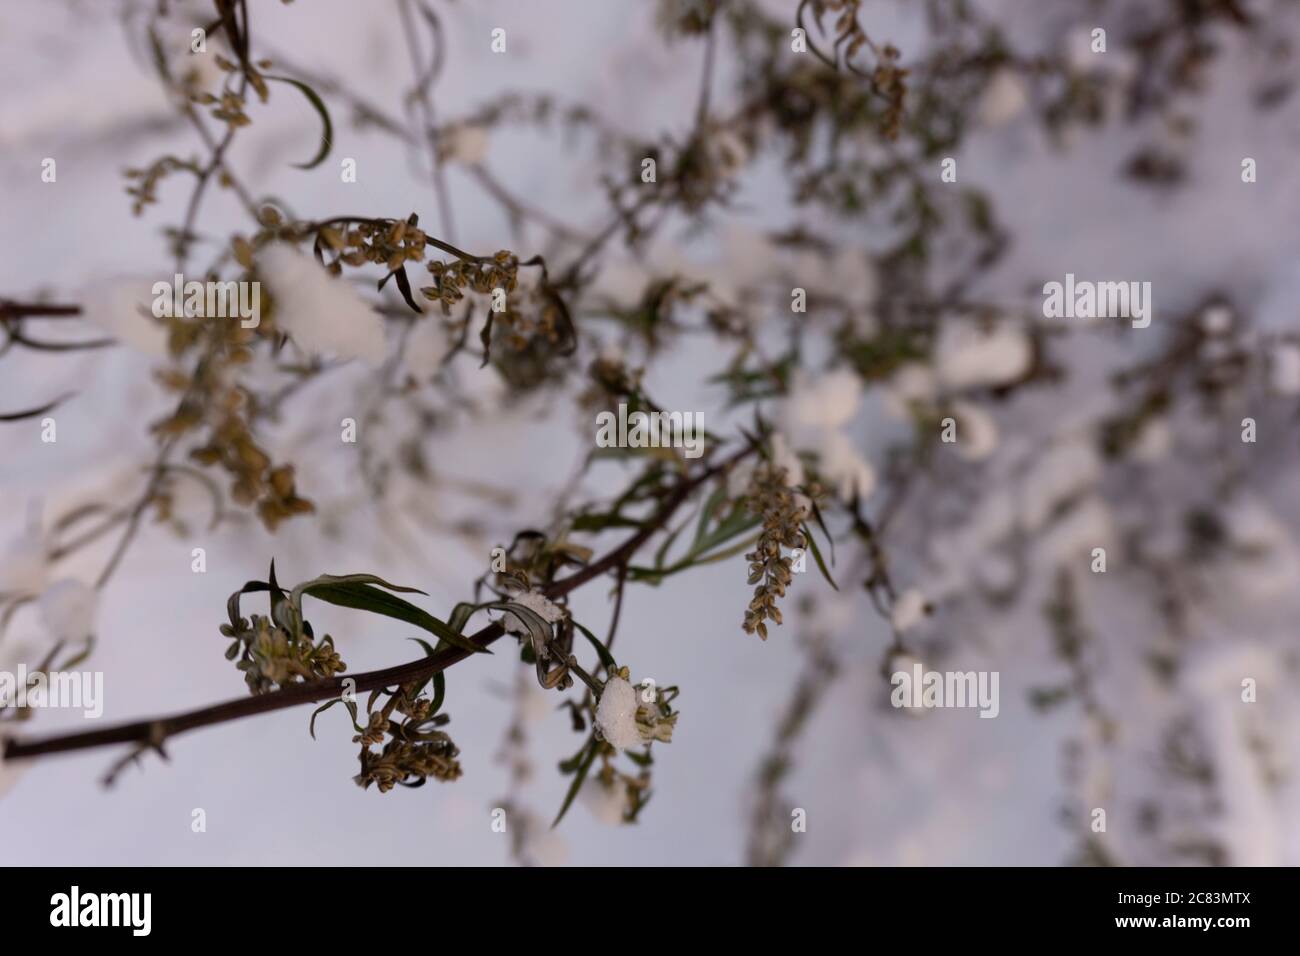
[[155, 731]]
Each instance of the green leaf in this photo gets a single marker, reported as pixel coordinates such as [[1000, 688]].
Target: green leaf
[[581, 775], [354, 579], [232, 603], [428, 648], [327, 131], [460, 616], [485, 337], [671, 537], [571, 764], [538, 627], [403, 286], [706, 512], [738, 522], [821, 523], [352, 709], [439, 692], [602, 651], [356, 591], [640, 759], [277, 592], [817, 556]]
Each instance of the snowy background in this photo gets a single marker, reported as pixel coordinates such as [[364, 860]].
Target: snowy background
[[879, 787]]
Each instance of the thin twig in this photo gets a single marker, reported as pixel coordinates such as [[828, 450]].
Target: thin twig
[[423, 81], [154, 732]]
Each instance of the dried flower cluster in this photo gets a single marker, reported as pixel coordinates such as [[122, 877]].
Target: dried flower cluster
[[452, 279], [386, 242], [271, 656], [415, 750], [213, 398], [783, 515], [143, 185]]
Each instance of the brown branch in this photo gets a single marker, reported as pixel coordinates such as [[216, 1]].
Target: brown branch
[[154, 732], [18, 310], [423, 81]]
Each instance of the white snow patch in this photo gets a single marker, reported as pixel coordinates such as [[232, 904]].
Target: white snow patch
[[846, 470], [977, 432], [467, 143], [123, 308], [536, 602], [909, 610], [822, 400], [606, 802], [320, 313], [1003, 99], [967, 356], [68, 610], [616, 714], [1285, 369]]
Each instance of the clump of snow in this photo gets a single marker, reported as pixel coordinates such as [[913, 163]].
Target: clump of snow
[[967, 356], [823, 400], [912, 383], [849, 272], [906, 662], [616, 714], [536, 602], [1237, 736], [534, 703], [123, 308], [977, 433], [1077, 47], [748, 256], [848, 472], [853, 276], [1266, 562], [541, 845], [612, 352], [319, 312], [738, 478], [909, 610], [607, 800], [467, 143], [783, 456], [425, 349], [1285, 369], [24, 565], [68, 610], [1003, 100], [1153, 442], [1216, 319], [547, 848], [813, 416]]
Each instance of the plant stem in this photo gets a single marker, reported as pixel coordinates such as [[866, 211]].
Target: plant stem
[[154, 732]]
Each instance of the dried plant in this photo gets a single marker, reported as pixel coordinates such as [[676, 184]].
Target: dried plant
[[872, 283]]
